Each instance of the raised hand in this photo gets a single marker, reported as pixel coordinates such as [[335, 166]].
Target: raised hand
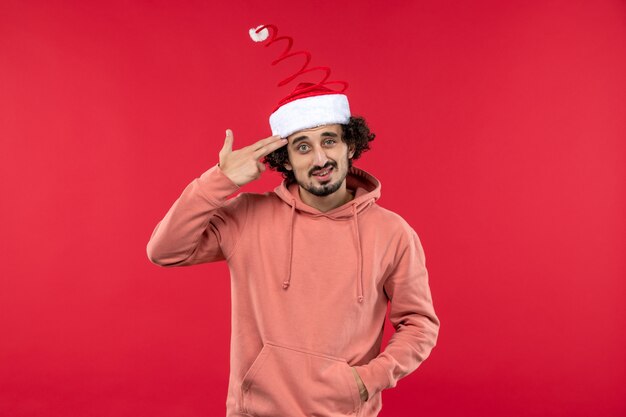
[[243, 166]]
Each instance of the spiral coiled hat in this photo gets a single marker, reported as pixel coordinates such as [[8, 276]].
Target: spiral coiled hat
[[309, 104]]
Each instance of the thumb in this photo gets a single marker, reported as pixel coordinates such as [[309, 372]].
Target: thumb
[[228, 142]]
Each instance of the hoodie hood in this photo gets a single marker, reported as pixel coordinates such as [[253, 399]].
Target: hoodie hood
[[366, 190]]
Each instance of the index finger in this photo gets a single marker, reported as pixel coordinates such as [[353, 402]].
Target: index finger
[[269, 147], [258, 145]]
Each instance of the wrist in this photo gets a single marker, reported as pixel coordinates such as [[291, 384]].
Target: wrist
[[226, 174], [362, 388]]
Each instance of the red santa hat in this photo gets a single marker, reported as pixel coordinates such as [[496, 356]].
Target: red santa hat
[[309, 104]]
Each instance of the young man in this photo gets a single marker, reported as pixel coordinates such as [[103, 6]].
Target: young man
[[313, 266]]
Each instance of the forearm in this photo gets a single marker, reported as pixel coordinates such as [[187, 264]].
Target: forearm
[[413, 316], [404, 353], [184, 228]]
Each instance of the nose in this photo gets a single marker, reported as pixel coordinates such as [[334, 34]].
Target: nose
[[319, 157]]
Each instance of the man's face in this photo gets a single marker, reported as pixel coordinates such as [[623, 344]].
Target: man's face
[[317, 150]]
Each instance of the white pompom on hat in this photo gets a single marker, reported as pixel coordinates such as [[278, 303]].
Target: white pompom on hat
[[308, 105]]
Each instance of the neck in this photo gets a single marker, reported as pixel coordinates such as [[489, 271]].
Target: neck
[[329, 202]]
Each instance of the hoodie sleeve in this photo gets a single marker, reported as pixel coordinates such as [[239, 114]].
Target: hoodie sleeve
[[412, 315], [202, 225]]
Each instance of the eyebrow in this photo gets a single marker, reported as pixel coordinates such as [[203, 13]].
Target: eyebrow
[[325, 134]]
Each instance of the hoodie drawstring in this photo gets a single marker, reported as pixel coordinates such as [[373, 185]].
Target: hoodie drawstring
[[359, 264], [359, 261], [287, 281]]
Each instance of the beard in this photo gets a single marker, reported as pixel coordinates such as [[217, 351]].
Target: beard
[[324, 189]]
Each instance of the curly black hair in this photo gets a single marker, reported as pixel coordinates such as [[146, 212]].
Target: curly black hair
[[356, 132]]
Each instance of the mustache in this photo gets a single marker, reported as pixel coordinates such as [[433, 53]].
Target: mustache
[[317, 168]]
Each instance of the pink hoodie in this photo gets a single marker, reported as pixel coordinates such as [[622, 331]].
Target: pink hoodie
[[309, 293]]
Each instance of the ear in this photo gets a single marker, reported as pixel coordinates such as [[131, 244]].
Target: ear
[[351, 150]]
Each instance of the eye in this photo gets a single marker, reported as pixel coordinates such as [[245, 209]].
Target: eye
[[332, 141], [299, 147]]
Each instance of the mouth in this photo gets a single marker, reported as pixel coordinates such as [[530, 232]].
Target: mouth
[[323, 174]]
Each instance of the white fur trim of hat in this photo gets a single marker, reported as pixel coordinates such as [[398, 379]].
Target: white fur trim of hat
[[309, 112]]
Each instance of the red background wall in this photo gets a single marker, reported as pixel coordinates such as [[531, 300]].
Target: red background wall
[[500, 139]]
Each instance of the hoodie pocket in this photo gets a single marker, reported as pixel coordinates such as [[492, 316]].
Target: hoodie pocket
[[288, 381]]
